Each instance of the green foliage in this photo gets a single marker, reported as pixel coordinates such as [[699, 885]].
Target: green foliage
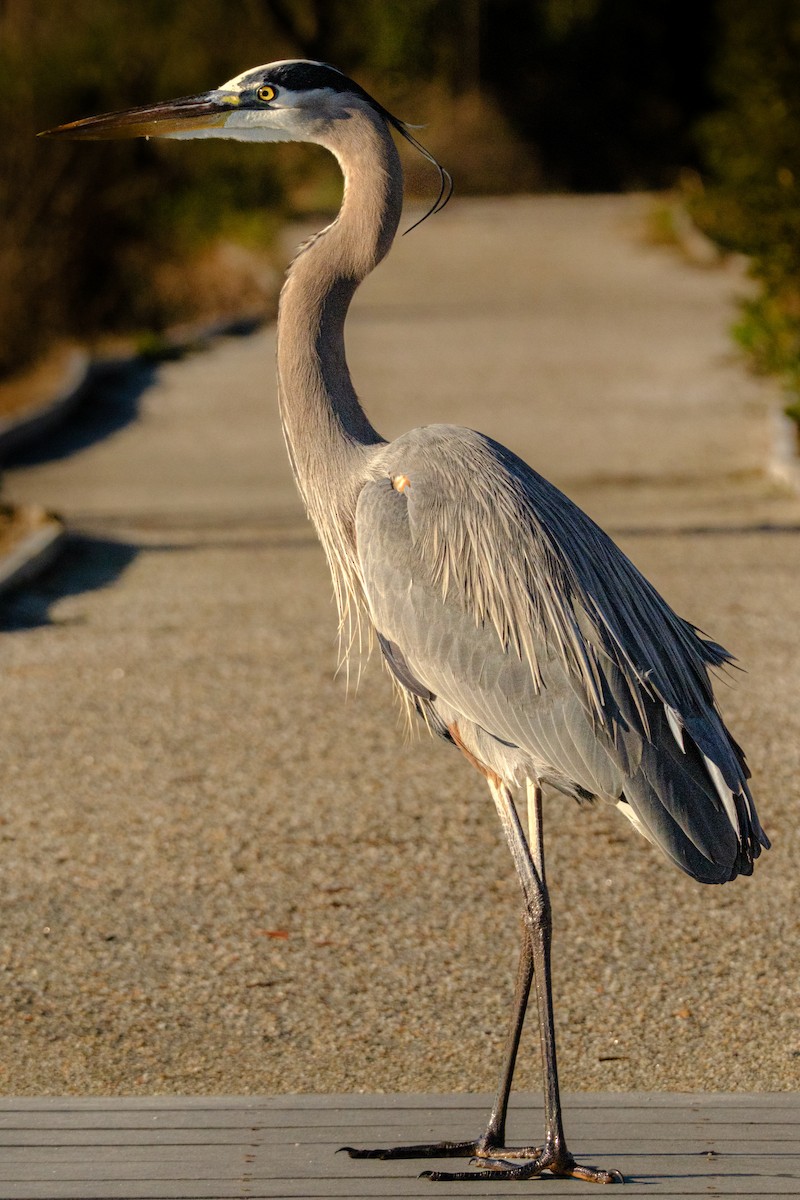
[[771, 336], [752, 146]]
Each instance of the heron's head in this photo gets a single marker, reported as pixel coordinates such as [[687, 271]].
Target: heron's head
[[293, 100], [290, 101]]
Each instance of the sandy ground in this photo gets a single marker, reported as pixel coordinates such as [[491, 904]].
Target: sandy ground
[[221, 875]]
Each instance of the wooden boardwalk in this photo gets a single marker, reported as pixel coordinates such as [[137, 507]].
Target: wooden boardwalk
[[212, 1148]]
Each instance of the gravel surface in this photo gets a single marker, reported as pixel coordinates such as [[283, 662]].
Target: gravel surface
[[221, 875]]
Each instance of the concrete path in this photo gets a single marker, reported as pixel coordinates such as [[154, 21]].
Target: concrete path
[[222, 877]]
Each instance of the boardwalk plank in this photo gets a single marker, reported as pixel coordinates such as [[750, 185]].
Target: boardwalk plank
[[469, 1118], [688, 1137], [355, 1101], [171, 1148]]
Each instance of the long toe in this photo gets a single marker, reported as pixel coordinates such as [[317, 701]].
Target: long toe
[[504, 1171], [425, 1150], [482, 1149]]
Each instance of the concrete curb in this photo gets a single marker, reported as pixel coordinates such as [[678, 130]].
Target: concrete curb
[[31, 555], [35, 552], [784, 463], [695, 245], [81, 368], [16, 432]]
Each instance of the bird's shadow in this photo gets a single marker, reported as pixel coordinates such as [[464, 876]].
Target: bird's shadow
[[84, 564], [108, 402]]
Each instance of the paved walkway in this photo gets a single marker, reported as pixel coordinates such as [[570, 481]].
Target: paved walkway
[[220, 877]]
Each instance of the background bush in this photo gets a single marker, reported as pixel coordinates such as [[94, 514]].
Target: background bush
[[517, 94], [751, 202], [82, 234]]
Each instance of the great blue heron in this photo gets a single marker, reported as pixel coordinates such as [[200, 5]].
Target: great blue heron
[[508, 620]]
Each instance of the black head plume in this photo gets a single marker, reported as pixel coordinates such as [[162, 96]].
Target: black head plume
[[307, 76]]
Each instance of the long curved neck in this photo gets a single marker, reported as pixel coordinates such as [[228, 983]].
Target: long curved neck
[[327, 432], [322, 417]]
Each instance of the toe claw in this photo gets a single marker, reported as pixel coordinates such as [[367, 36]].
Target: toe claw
[[590, 1174]]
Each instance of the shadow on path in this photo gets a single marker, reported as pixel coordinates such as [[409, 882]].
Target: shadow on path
[[108, 403], [84, 565], [109, 399]]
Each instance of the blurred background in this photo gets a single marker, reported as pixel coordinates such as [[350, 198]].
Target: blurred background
[[190, 809], [702, 96]]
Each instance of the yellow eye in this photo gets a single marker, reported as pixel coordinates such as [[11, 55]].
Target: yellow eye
[[266, 93]]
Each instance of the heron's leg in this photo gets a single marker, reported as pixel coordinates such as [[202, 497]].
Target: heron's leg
[[495, 1134], [492, 1142], [529, 861]]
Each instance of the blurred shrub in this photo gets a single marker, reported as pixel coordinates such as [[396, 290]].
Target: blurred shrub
[[751, 203], [516, 94], [120, 236], [85, 229]]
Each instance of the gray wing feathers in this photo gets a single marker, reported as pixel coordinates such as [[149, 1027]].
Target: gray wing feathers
[[462, 664], [510, 604]]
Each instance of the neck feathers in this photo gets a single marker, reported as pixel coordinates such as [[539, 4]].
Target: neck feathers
[[329, 438]]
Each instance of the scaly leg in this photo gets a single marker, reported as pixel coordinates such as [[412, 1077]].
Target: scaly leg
[[529, 861], [488, 1151], [490, 1144]]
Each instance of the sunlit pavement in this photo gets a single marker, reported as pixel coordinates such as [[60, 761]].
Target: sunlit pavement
[[221, 876]]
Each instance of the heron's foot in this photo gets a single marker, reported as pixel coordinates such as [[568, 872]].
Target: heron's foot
[[493, 1160], [500, 1167], [423, 1150]]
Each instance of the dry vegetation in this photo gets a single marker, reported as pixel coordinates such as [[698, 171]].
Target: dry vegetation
[[138, 236], [596, 95]]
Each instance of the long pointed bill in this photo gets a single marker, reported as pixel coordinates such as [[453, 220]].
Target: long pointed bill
[[186, 115]]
